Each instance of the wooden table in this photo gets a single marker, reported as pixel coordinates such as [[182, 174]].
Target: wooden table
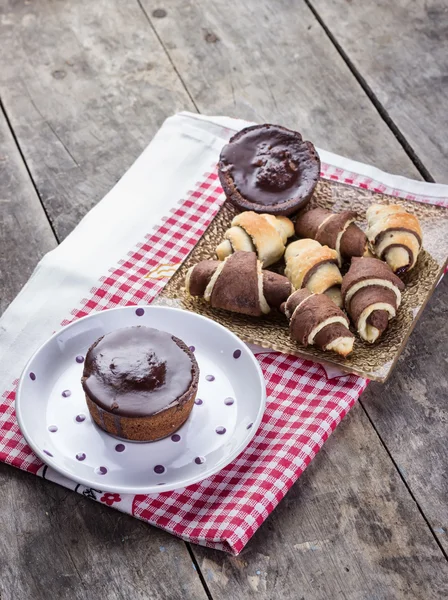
[[84, 86]]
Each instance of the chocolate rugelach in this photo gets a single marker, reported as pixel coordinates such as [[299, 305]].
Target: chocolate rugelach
[[395, 236], [261, 233], [238, 284], [335, 230], [140, 383], [314, 320], [310, 265], [269, 169], [371, 293]]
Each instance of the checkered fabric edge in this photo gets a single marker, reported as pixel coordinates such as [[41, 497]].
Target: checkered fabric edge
[[224, 511], [368, 183], [303, 407], [125, 284]]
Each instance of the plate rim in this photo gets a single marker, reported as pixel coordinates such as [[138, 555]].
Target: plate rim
[[153, 489]]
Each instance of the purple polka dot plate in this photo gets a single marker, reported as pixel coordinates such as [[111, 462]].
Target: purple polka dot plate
[[54, 418]]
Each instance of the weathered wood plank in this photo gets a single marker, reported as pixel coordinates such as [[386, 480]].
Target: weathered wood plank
[[403, 61], [400, 50], [347, 529], [54, 543], [85, 85], [57, 544], [271, 61], [57, 110], [410, 413], [215, 63], [25, 234]]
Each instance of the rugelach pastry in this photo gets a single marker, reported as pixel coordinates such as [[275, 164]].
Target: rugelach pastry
[[264, 234], [238, 284], [269, 169], [335, 230], [371, 293], [140, 383], [315, 267], [314, 320], [394, 235]]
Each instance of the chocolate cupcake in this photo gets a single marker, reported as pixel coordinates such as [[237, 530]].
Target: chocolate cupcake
[[269, 169], [140, 383]]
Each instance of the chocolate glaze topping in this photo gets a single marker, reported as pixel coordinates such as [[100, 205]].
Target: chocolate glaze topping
[[270, 165], [138, 371]]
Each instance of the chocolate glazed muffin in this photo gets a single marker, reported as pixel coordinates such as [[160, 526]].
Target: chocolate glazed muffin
[[269, 169], [140, 383]]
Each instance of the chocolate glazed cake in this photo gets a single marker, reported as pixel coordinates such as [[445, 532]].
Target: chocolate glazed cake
[[269, 169], [140, 383]]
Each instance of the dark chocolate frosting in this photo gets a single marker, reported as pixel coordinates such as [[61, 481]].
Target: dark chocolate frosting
[[138, 371], [269, 165]]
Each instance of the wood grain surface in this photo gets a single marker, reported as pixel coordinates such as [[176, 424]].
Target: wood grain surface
[[410, 413], [55, 544], [85, 85], [271, 62], [25, 233], [400, 50], [347, 529]]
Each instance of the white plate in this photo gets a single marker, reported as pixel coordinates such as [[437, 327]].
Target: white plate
[[50, 406]]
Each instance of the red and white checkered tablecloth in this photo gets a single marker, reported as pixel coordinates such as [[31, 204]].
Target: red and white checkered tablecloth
[[303, 406]]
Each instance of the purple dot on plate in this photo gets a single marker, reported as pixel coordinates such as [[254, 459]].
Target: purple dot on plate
[[33, 376], [210, 377], [161, 483], [220, 430], [52, 428], [79, 359], [159, 469], [249, 426], [237, 354], [66, 393], [229, 401], [48, 453], [199, 460], [101, 471], [80, 456], [120, 448], [175, 437], [80, 418], [139, 312], [198, 401], [191, 348]]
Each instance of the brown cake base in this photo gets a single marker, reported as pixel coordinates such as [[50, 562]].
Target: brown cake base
[[143, 429]]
